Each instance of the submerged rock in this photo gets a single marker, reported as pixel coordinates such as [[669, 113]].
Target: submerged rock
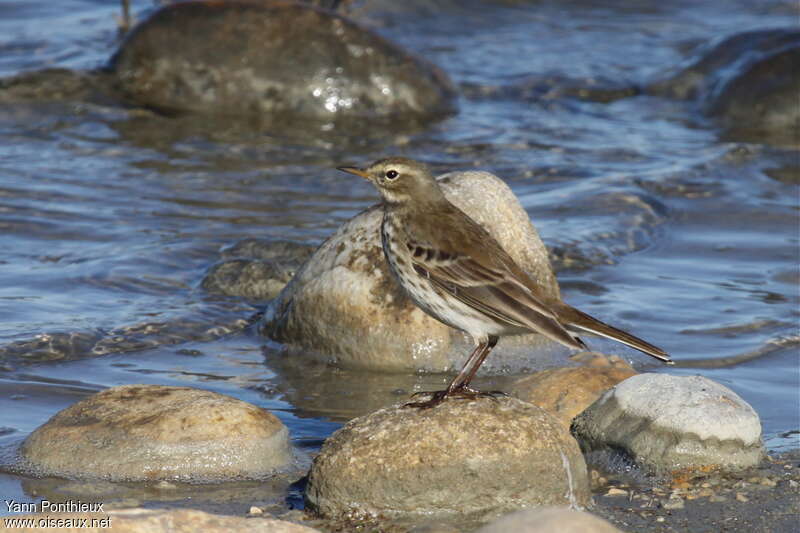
[[256, 270], [251, 58], [459, 458], [148, 432], [566, 392], [345, 304], [549, 520], [749, 82], [669, 423]]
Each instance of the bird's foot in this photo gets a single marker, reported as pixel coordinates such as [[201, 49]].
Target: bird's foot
[[463, 392]]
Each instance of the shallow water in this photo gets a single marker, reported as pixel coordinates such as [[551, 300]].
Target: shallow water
[[108, 220]]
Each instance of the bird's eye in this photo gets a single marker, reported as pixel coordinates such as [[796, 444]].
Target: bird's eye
[[391, 174]]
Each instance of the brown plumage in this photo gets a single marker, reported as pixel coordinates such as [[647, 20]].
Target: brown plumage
[[458, 273]]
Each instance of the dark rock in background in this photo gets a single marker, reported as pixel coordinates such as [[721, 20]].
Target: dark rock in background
[[245, 58], [748, 82]]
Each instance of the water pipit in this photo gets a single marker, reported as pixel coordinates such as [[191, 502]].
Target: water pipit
[[455, 271]]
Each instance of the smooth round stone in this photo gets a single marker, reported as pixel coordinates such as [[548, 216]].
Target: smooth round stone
[[345, 305], [459, 458], [566, 392], [673, 422], [278, 58], [149, 432], [549, 520]]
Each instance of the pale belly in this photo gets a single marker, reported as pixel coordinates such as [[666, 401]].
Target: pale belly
[[432, 299]]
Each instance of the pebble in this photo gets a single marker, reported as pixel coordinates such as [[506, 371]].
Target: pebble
[[741, 497], [613, 491], [673, 503]]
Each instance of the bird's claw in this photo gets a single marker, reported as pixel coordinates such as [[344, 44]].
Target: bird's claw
[[464, 392]]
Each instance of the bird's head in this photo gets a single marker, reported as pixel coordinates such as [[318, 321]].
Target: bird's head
[[400, 180]]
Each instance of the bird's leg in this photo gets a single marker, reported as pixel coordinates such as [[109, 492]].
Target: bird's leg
[[462, 380], [459, 385]]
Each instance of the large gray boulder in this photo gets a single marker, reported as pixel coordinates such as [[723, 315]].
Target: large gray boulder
[[670, 423], [345, 305], [459, 458], [275, 58], [150, 432]]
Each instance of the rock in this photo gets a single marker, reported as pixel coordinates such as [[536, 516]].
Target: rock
[[159, 520], [252, 279], [279, 250], [345, 305], [149, 432], [670, 422], [459, 458], [549, 519], [566, 392], [252, 58], [748, 81], [256, 270]]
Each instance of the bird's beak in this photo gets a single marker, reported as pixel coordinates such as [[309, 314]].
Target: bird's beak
[[354, 170]]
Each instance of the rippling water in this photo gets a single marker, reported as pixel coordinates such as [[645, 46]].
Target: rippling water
[[109, 219]]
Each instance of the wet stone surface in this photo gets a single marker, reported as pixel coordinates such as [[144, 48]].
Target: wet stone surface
[[256, 270], [748, 82], [273, 58]]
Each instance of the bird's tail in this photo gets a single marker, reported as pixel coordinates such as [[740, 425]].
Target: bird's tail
[[572, 318]]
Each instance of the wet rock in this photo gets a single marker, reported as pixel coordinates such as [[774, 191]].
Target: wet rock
[[256, 270], [280, 250], [345, 305], [670, 422], [566, 392], [252, 58], [748, 81], [56, 84], [545, 88], [248, 278], [161, 520], [148, 432], [549, 519], [459, 458]]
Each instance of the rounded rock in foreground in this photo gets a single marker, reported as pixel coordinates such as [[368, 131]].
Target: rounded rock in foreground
[[345, 304], [566, 392], [549, 520], [275, 58], [148, 432], [461, 457], [671, 422]]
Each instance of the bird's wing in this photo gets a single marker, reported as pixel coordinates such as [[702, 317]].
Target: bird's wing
[[489, 284]]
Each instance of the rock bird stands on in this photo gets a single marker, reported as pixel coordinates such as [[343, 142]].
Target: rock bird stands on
[[460, 275]]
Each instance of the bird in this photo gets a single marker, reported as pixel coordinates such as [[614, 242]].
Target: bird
[[456, 272]]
